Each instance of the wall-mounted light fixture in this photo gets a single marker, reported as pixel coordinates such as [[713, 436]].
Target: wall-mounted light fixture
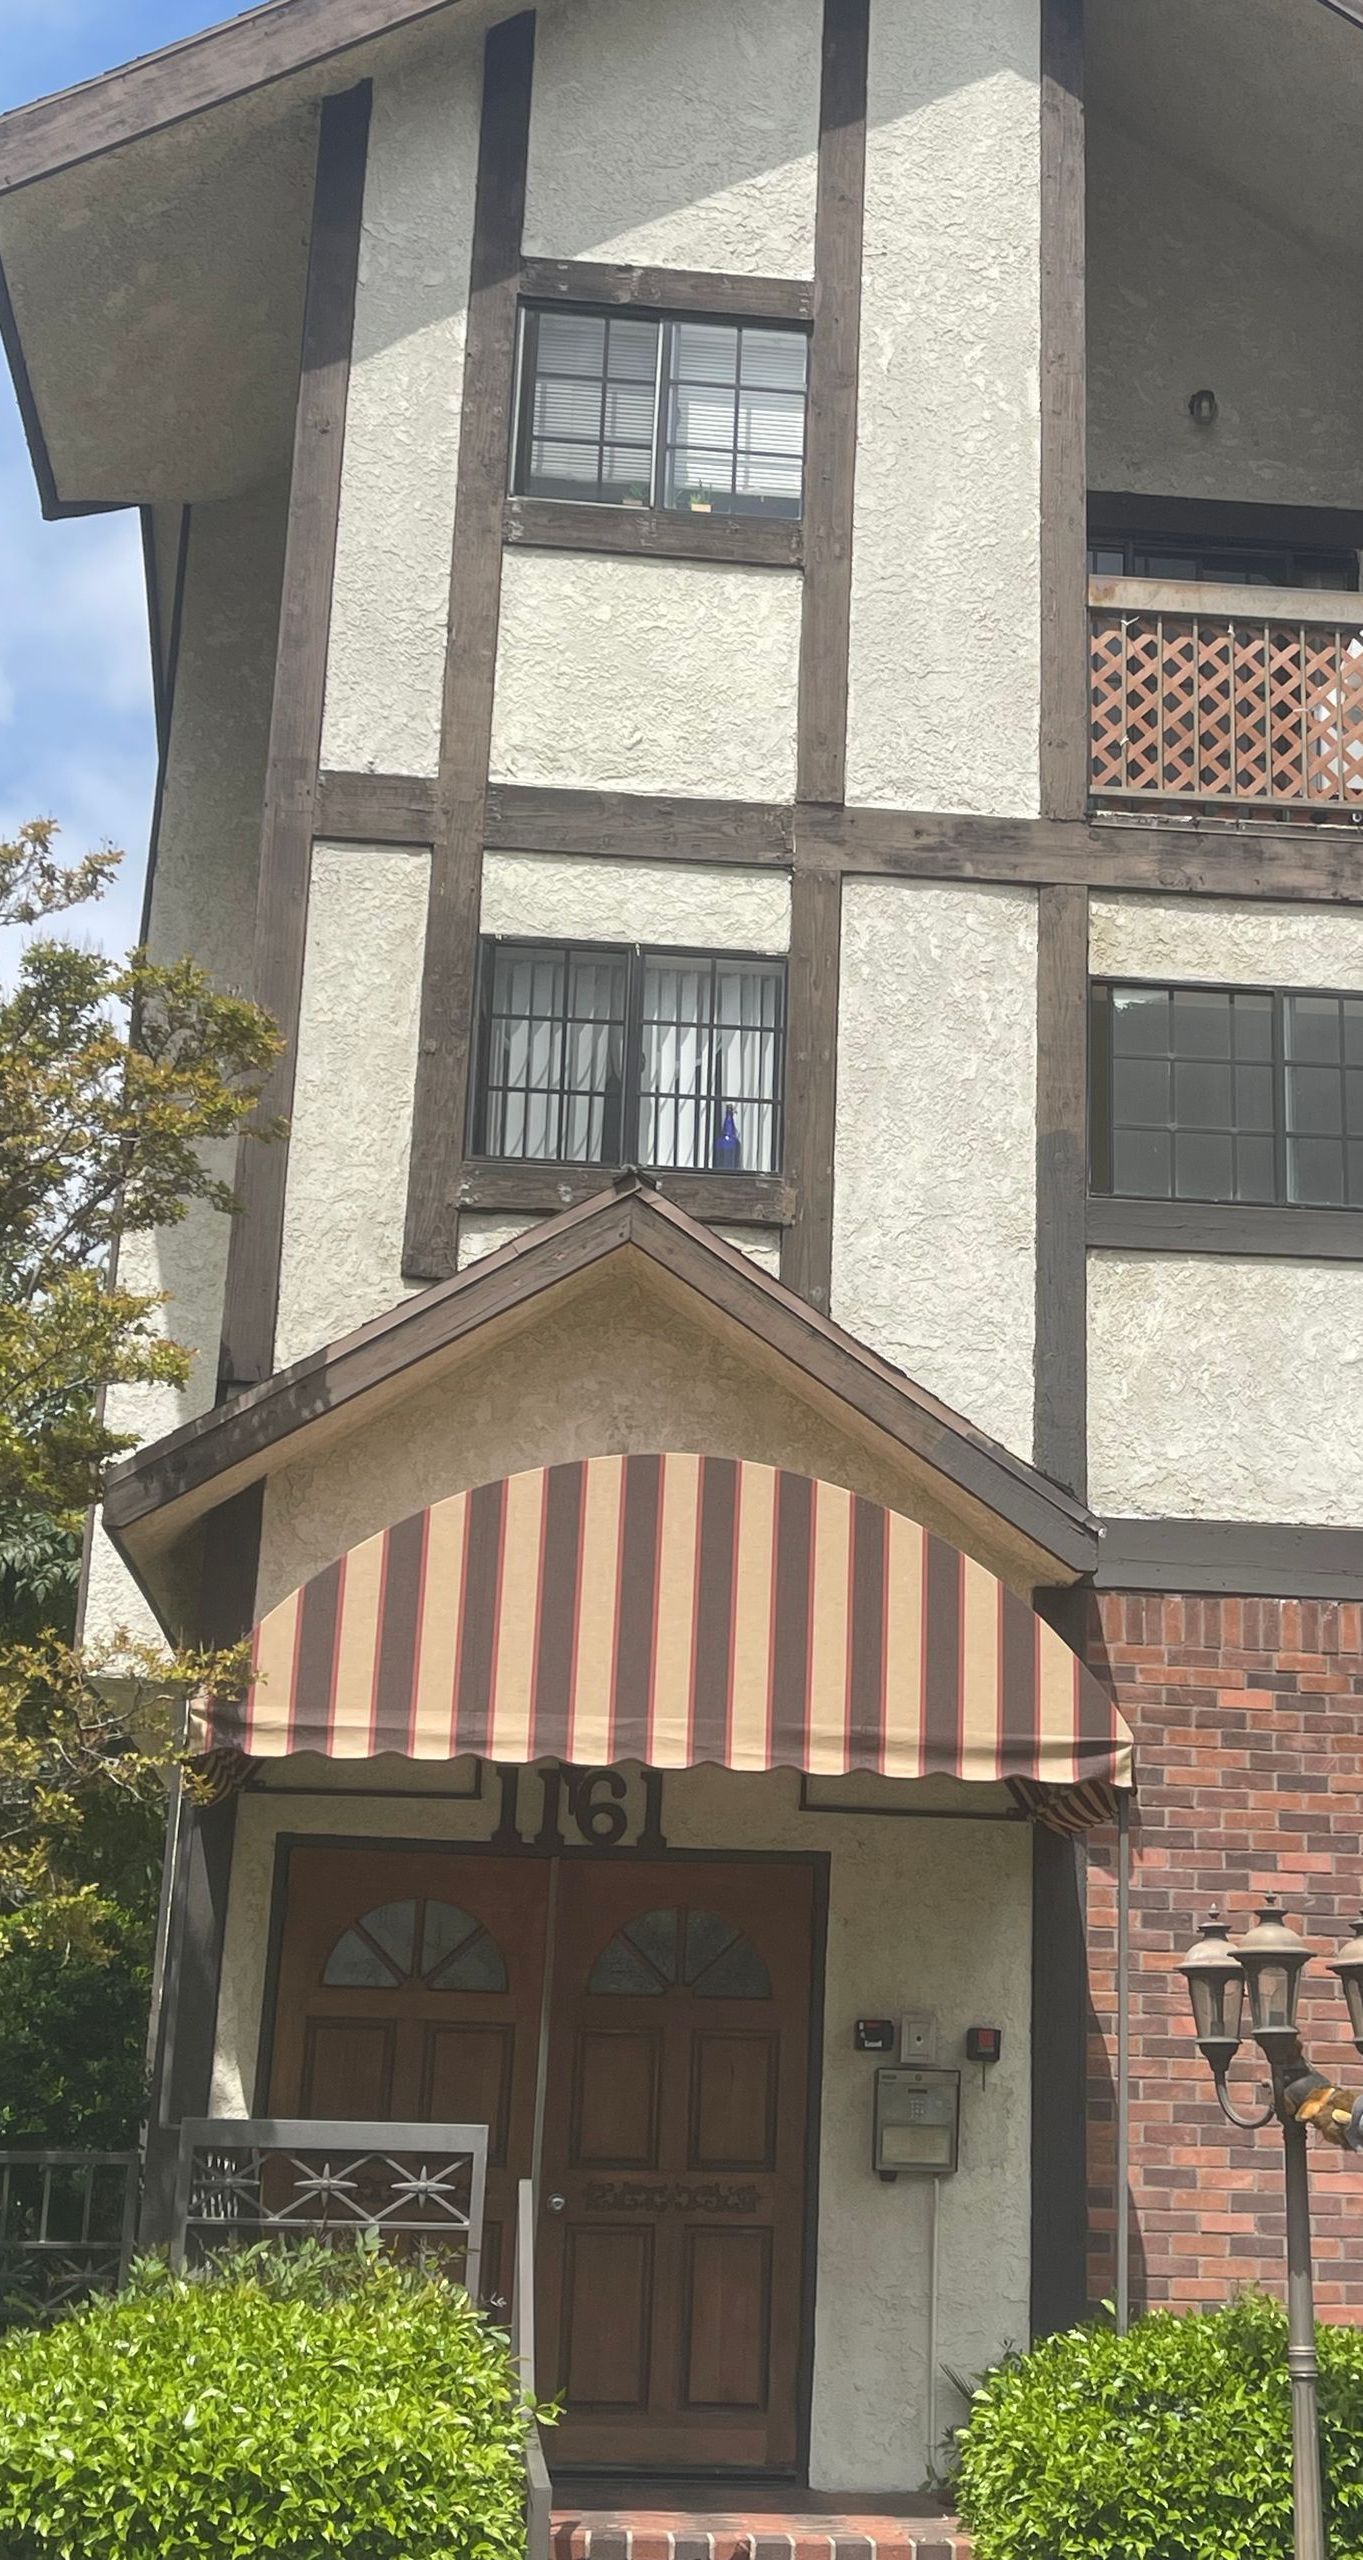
[[1203, 407]]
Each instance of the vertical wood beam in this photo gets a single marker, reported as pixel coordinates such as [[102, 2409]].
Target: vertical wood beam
[[1064, 461], [834, 356], [1060, 1440], [811, 1078], [825, 624], [252, 1293], [430, 1250]]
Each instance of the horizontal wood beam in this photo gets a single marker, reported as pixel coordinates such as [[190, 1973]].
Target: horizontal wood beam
[[1273, 1231], [545, 1190], [664, 289], [653, 533], [1253, 1559], [1315, 865]]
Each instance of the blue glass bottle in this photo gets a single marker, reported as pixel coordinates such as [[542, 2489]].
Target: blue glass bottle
[[729, 1145]]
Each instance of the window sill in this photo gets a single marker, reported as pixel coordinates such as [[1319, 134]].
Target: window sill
[[1273, 1233], [544, 1190], [654, 533]]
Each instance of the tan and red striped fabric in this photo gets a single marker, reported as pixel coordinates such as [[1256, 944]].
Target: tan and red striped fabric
[[676, 1610]]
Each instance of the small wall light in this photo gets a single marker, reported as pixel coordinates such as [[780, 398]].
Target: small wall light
[[1202, 408]]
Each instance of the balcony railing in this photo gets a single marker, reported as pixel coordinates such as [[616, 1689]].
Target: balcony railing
[[67, 2220], [1243, 698]]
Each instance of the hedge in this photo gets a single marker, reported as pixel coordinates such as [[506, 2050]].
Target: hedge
[[310, 2403], [1173, 2443]]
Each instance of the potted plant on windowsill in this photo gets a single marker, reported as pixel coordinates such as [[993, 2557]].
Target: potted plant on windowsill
[[700, 500], [634, 494]]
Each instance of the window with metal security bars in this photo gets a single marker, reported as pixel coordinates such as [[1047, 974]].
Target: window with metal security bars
[[694, 416], [668, 1059], [1226, 1094]]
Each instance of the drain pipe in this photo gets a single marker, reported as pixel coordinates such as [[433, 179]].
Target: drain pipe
[[1123, 2164]]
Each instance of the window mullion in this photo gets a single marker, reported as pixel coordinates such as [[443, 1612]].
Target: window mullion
[[1281, 1190], [662, 382], [631, 1098]]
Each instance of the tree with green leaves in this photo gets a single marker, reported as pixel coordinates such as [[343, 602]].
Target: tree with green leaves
[[116, 1075]]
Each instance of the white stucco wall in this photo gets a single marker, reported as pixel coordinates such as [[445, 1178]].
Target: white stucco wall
[[391, 598], [204, 906], [944, 668], [1189, 288], [1232, 942], [897, 1895], [1225, 1390], [647, 675], [586, 900], [676, 137], [934, 1201], [350, 1143]]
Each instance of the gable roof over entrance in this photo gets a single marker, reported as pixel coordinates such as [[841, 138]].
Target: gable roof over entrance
[[678, 1611], [978, 1493]]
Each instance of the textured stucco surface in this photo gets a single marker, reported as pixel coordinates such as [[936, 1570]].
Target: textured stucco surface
[[647, 675], [352, 1115], [676, 137], [944, 670], [1236, 942], [611, 1367], [934, 1252], [391, 598], [586, 900], [1190, 288], [1225, 1390], [896, 1893], [204, 906]]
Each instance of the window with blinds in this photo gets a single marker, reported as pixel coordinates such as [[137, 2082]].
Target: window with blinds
[[696, 416], [669, 1059]]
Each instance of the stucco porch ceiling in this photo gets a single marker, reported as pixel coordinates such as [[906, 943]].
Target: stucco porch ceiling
[[894, 1437]]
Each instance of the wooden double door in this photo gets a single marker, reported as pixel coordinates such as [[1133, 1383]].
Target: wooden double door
[[667, 2003]]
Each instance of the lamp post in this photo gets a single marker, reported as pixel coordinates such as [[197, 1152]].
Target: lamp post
[[1267, 1966]]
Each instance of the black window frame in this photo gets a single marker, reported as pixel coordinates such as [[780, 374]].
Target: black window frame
[[635, 957], [1102, 1096], [1293, 564], [532, 310]]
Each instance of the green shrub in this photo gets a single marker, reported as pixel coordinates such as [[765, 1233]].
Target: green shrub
[[306, 2404], [1173, 2443]]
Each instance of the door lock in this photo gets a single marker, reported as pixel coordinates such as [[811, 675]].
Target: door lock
[[556, 2204]]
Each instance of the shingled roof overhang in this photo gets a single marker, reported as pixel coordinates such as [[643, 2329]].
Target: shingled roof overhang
[[992, 1503]]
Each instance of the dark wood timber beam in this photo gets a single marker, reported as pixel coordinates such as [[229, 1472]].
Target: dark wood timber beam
[[638, 826], [651, 533], [546, 1190], [1251, 1559], [1064, 464], [812, 982], [290, 813], [666, 289], [430, 1248], [1060, 1440]]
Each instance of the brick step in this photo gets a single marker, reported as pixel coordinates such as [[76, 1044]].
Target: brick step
[[731, 2534]]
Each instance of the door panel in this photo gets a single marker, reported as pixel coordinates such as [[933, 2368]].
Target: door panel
[[671, 2272], [615, 2107], [410, 1987]]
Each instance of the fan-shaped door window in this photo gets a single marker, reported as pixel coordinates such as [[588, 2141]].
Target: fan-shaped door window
[[681, 1950], [432, 1944]]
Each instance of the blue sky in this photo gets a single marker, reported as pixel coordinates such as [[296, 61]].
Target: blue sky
[[76, 739]]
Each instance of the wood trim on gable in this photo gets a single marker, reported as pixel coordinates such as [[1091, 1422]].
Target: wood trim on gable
[[1249, 1559], [252, 1291], [669, 289], [430, 1248]]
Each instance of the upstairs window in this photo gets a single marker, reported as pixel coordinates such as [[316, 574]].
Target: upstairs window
[[1227, 1094], [600, 1055], [1218, 561], [695, 416]]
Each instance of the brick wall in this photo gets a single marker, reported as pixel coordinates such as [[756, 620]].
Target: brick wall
[[1248, 1717]]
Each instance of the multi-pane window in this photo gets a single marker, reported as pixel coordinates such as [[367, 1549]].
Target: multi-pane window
[[671, 1059], [1227, 1093], [701, 416], [1220, 562]]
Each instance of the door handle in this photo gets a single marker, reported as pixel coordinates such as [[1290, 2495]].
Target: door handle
[[556, 2204]]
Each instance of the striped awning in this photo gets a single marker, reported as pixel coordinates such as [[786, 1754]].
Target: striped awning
[[677, 1610]]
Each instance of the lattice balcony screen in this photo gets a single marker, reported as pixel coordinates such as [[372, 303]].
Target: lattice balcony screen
[[1212, 703]]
